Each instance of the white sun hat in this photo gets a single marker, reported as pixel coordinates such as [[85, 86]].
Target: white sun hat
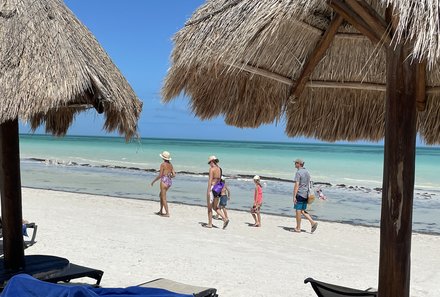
[[212, 158], [165, 155], [256, 177]]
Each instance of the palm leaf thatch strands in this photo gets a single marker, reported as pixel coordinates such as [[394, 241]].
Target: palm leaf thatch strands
[[51, 69], [250, 54], [365, 64]]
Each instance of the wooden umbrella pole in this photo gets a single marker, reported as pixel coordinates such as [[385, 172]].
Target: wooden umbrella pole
[[398, 174], [10, 189]]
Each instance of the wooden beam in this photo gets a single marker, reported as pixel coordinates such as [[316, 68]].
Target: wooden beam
[[263, 72], [316, 56], [372, 18], [350, 16], [421, 85], [311, 84], [320, 83], [10, 189], [433, 90], [352, 36], [398, 173], [346, 85]]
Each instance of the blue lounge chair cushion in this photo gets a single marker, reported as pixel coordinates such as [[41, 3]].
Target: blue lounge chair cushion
[[24, 285]]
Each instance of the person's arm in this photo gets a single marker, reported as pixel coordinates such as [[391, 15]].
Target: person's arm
[[295, 187], [208, 191], [173, 173], [255, 196], [295, 191], [159, 176], [228, 192]]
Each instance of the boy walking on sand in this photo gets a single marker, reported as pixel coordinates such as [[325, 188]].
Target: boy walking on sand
[[224, 197]]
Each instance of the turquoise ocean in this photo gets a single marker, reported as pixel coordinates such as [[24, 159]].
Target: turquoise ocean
[[349, 175]]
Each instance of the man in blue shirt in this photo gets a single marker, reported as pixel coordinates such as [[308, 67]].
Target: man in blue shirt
[[300, 194]]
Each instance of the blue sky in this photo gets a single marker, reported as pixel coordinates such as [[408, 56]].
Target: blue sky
[[137, 36]]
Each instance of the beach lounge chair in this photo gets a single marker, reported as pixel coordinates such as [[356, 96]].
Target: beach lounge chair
[[73, 271], [24, 285], [29, 240], [52, 269], [163, 283], [328, 290]]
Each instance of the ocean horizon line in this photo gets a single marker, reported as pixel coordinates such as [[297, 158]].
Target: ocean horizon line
[[302, 142]]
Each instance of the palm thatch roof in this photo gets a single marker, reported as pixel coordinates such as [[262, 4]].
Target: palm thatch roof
[[245, 60], [51, 68]]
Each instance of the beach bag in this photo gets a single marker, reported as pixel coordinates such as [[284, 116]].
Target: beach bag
[[310, 194], [218, 187]]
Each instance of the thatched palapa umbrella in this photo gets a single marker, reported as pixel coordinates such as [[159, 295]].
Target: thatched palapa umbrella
[[51, 68], [335, 70]]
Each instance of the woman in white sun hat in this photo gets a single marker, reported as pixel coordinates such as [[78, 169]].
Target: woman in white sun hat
[[166, 173]]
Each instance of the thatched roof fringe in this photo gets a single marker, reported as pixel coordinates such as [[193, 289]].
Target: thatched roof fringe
[[419, 21], [428, 125], [328, 116], [244, 110]]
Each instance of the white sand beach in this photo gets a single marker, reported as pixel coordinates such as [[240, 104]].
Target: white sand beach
[[131, 245]]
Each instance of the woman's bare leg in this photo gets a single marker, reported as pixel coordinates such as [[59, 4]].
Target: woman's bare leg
[[163, 198], [209, 204]]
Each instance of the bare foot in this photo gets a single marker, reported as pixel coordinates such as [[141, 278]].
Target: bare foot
[[159, 213], [314, 226], [225, 224]]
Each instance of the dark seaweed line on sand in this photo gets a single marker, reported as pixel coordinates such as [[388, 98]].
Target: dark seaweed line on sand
[[318, 184]]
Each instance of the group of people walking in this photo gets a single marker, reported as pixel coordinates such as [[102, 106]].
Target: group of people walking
[[218, 193]]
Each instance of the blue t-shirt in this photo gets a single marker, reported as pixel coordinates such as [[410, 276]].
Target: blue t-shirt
[[302, 177]]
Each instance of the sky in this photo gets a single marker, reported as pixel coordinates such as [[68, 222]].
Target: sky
[[137, 35]]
